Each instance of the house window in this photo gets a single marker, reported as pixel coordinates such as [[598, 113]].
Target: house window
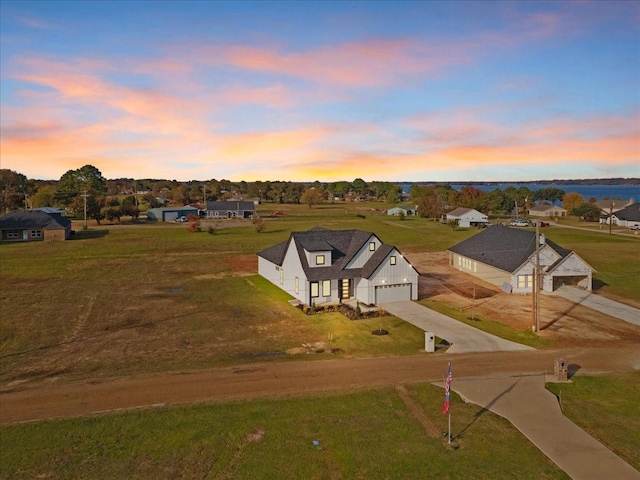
[[314, 290], [392, 260], [13, 234], [297, 285], [281, 276], [326, 288], [319, 259], [524, 281], [36, 233], [372, 246]]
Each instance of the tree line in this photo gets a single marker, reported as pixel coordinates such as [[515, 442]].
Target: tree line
[[87, 188], [433, 201]]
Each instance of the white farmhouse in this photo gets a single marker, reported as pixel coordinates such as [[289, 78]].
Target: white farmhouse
[[467, 217], [331, 266]]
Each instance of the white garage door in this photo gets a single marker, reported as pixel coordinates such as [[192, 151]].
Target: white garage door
[[393, 293], [170, 216]]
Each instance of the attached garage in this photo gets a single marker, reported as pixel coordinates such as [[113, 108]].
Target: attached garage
[[580, 281], [393, 293]]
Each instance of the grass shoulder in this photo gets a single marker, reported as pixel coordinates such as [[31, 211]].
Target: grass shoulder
[[607, 408]]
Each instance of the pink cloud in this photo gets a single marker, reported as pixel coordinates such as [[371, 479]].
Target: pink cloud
[[374, 62]]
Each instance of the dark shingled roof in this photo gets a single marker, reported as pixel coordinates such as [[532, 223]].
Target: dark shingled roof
[[343, 245], [21, 220], [629, 213], [503, 247], [231, 205]]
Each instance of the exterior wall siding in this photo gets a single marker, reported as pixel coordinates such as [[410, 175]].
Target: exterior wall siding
[[311, 258], [292, 269], [483, 271], [364, 254], [53, 235], [400, 273]]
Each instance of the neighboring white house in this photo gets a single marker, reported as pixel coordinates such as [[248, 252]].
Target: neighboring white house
[[231, 209], [331, 266], [628, 216], [407, 211], [506, 257], [610, 206], [467, 217], [546, 210]]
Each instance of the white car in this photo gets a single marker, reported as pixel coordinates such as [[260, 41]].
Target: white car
[[635, 227], [519, 223], [181, 219]]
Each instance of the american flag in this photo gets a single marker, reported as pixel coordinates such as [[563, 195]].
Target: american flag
[[447, 392]]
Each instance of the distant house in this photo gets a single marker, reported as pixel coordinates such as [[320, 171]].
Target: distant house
[[169, 214], [331, 266], [611, 206], [467, 217], [628, 216], [546, 210], [34, 225], [231, 209], [505, 257], [407, 211]]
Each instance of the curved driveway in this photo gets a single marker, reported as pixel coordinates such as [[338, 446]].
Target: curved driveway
[[462, 337]]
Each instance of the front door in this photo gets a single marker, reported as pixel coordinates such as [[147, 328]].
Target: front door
[[346, 289]]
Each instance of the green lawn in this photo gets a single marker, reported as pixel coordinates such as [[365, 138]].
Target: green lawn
[[607, 408], [364, 435]]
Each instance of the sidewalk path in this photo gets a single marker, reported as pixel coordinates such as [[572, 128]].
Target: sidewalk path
[[462, 337], [600, 304], [535, 411]]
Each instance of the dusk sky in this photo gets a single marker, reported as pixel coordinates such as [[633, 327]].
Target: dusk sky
[[304, 91]]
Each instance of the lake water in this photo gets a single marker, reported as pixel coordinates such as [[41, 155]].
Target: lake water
[[599, 192]]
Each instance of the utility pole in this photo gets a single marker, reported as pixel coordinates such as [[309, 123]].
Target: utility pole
[[204, 195], [611, 216], [85, 195], [536, 283]]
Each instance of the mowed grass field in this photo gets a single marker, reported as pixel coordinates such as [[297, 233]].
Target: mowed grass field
[[124, 299], [365, 435]]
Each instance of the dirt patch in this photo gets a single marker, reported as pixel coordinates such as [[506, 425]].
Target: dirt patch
[[562, 321], [417, 411], [243, 265]]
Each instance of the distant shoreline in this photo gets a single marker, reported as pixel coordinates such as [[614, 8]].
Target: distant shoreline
[[591, 181]]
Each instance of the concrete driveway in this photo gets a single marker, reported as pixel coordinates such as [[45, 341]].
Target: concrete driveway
[[535, 411], [600, 304], [462, 337]]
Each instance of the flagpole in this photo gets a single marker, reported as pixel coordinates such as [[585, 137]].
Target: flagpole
[[449, 429]]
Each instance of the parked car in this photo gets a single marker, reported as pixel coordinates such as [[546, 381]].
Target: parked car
[[543, 224], [181, 219], [519, 222], [635, 227]]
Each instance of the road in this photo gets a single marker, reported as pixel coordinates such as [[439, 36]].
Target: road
[[256, 380]]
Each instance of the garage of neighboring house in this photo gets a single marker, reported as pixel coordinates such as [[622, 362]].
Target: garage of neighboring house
[[572, 281], [169, 214], [393, 293]]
